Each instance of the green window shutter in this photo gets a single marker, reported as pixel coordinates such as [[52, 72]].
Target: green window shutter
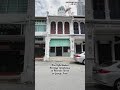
[[40, 28], [59, 42]]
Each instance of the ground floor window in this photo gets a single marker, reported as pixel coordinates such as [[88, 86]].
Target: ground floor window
[[12, 57], [107, 51], [65, 49], [117, 50], [79, 46], [11, 29], [104, 52], [59, 51], [52, 49], [39, 50]]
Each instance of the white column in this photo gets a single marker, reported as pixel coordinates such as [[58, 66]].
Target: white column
[[82, 46], [28, 71], [63, 27], [56, 27], [48, 29], [71, 27], [72, 47], [79, 28], [45, 57], [107, 12], [47, 41]]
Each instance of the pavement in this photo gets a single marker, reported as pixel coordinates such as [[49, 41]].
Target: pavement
[[59, 75], [16, 86], [74, 80]]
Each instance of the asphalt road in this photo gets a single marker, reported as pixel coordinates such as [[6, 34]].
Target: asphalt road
[[59, 76], [15, 86], [95, 86]]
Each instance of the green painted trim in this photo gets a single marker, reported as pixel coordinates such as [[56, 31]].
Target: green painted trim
[[59, 42]]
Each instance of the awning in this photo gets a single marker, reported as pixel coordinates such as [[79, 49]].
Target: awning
[[59, 42]]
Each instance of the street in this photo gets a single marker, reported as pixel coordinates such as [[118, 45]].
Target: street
[[64, 75], [16, 86], [95, 86]]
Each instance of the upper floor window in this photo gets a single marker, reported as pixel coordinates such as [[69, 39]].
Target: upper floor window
[[13, 6], [67, 31], [114, 7], [76, 28], [60, 28], [82, 27], [40, 28], [11, 29], [99, 9], [40, 25], [43, 22], [39, 39], [53, 28]]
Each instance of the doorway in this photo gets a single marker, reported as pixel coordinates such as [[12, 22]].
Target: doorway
[[104, 53], [78, 48], [11, 57], [39, 50], [58, 51], [117, 50]]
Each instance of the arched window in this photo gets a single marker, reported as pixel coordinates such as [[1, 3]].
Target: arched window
[[76, 28], [60, 28], [53, 28], [66, 28], [82, 27]]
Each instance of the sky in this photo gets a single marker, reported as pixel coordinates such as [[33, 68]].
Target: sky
[[51, 6]]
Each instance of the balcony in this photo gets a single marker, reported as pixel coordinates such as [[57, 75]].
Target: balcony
[[40, 33]]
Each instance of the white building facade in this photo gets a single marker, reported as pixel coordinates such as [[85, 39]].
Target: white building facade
[[102, 33], [64, 37]]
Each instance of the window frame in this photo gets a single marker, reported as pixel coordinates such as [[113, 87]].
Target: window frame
[[65, 49], [52, 49]]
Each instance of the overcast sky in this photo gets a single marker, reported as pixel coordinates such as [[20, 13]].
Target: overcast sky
[[42, 6]]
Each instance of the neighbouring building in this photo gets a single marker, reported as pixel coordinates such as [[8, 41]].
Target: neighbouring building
[[17, 40], [80, 8], [102, 33], [40, 34]]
